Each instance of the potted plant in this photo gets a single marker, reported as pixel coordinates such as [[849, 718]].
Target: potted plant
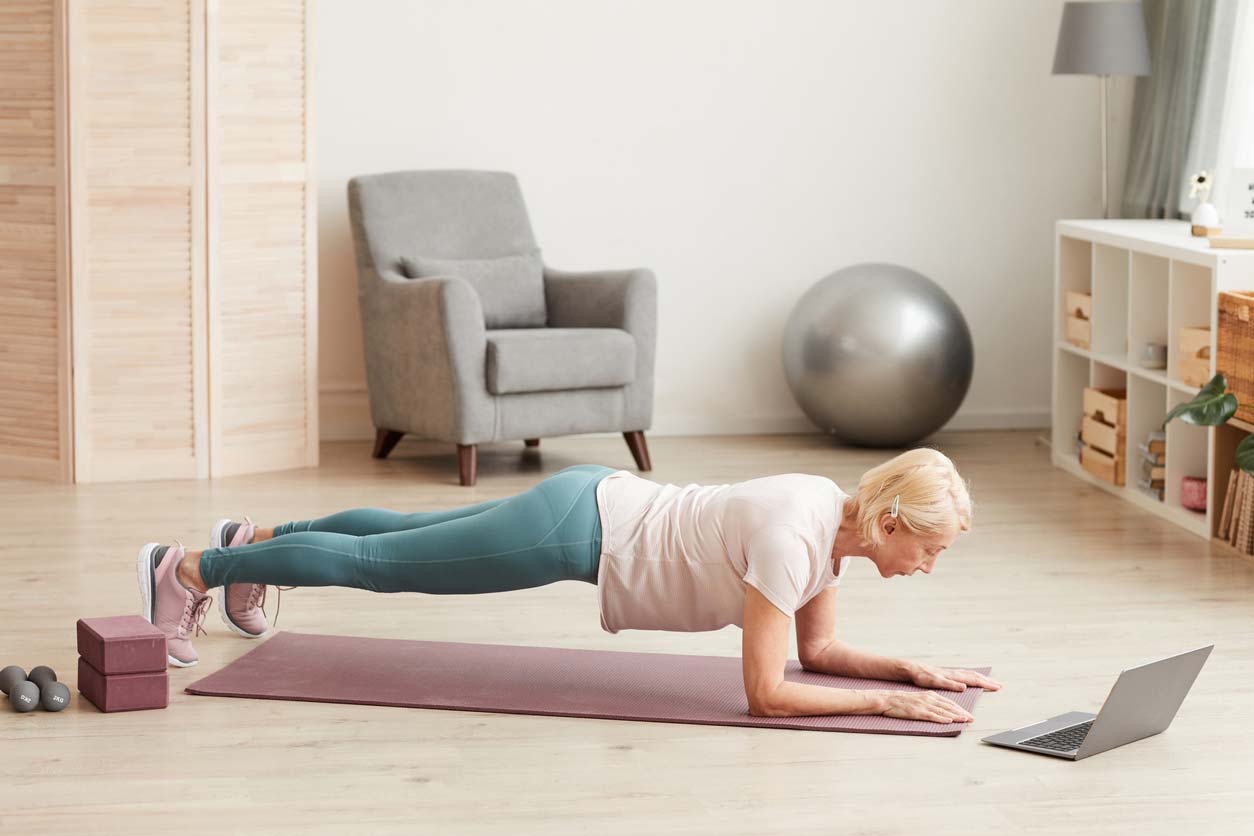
[[1212, 406]]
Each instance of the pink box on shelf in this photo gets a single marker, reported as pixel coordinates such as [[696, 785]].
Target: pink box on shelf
[[123, 691], [1193, 493], [121, 644]]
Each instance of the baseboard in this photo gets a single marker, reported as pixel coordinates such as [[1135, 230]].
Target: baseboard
[[788, 424], [344, 412], [344, 415], [1003, 419]]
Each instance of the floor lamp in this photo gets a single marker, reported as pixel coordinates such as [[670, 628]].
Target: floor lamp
[[1102, 39]]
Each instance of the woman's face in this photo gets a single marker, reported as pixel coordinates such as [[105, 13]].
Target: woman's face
[[903, 552]]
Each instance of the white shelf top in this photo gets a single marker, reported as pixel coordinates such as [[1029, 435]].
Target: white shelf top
[[1170, 239]]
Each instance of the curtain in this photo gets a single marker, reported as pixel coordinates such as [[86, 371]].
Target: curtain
[[1177, 111], [1208, 120]]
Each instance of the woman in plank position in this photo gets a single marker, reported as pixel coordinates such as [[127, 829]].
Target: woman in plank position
[[757, 554]]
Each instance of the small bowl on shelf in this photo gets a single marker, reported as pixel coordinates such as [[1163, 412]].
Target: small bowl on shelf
[[1154, 356]]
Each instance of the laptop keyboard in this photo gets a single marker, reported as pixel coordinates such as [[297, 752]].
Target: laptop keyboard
[[1063, 740]]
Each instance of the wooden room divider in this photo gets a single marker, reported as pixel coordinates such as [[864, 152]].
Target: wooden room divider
[[158, 278]]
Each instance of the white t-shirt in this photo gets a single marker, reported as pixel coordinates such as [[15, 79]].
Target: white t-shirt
[[679, 558]]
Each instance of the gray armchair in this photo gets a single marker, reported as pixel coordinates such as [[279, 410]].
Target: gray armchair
[[460, 350]]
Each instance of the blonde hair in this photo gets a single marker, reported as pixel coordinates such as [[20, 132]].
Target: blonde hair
[[930, 495]]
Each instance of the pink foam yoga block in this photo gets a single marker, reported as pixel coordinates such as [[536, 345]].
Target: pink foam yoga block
[[121, 644], [123, 691]]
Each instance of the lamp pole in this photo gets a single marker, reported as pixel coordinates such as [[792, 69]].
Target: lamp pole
[[1102, 38]]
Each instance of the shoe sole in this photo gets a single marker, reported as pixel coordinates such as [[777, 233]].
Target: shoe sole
[[146, 571], [215, 542]]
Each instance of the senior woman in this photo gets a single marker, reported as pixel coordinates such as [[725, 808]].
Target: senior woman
[[757, 554]]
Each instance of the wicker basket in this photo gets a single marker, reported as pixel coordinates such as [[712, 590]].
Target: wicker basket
[[1235, 347]]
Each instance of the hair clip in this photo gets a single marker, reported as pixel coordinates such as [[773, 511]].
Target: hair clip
[[896, 505]]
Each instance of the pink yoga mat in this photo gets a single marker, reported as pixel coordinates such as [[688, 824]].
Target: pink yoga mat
[[658, 687]]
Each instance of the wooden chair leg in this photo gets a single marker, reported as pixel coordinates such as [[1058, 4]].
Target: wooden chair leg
[[532, 442], [385, 441], [639, 449], [467, 464]]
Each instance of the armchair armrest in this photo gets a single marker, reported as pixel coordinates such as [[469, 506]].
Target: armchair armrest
[[625, 299], [425, 347]]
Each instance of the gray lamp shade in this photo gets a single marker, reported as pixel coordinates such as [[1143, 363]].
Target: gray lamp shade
[[1102, 39]]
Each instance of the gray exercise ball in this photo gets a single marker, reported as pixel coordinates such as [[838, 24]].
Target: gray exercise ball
[[878, 355]]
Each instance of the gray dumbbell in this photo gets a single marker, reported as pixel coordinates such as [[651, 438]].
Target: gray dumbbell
[[42, 676], [55, 697], [24, 696], [10, 676]]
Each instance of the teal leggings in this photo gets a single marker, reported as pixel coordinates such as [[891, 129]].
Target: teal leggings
[[549, 532]]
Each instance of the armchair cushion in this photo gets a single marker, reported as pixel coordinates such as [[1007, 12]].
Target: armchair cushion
[[510, 288], [542, 359]]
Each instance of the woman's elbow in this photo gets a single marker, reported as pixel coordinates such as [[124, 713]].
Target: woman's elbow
[[762, 705]]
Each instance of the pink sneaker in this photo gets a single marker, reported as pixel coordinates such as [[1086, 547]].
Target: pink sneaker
[[241, 606], [173, 608]]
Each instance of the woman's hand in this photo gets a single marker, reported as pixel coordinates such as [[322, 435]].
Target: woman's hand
[[950, 679], [922, 705]]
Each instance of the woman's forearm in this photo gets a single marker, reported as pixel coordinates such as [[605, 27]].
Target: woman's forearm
[[840, 659], [794, 699]]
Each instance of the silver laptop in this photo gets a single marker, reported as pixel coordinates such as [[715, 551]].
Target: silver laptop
[[1143, 702]]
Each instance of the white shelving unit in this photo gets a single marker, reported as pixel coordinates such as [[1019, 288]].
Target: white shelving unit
[[1148, 279]]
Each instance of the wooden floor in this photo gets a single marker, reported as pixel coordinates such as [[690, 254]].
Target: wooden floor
[[1058, 587]]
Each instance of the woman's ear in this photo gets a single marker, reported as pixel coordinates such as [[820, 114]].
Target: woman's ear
[[887, 523]]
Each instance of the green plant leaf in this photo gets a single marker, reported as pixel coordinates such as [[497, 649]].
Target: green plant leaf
[[1245, 454], [1209, 408]]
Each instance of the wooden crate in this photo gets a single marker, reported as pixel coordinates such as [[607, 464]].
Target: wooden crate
[[1194, 341], [1110, 406], [1079, 332], [1193, 371], [1107, 438], [1079, 305], [1193, 355], [1102, 465], [1104, 431], [1079, 327]]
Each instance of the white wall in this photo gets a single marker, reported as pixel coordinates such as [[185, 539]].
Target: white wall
[[742, 150], [1236, 131]]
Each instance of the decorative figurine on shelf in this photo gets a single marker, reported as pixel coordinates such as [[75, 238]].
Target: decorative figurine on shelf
[[1205, 215]]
